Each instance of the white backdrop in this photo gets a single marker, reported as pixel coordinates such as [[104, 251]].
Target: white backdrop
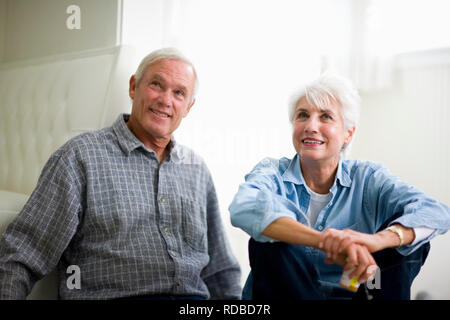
[[250, 56]]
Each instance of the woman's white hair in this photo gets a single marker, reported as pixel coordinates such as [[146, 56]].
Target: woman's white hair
[[164, 54], [326, 89]]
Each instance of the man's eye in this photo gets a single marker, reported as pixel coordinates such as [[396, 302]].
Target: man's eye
[[155, 84], [179, 93]]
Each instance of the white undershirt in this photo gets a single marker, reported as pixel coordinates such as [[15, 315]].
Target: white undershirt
[[319, 201]]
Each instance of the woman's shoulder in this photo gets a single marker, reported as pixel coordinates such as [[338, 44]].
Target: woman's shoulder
[[355, 167], [275, 165]]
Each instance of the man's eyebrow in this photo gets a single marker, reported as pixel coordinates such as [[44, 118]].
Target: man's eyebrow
[[157, 77], [182, 88]]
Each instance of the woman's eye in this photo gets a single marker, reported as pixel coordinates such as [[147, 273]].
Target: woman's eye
[[302, 115], [326, 116]]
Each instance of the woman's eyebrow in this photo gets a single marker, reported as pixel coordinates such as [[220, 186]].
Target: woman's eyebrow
[[326, 111]]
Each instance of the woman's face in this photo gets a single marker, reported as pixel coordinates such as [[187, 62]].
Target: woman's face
[[319, 134]]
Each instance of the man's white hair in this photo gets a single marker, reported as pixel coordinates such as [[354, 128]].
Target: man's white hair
[[164, 54], [326, 89]]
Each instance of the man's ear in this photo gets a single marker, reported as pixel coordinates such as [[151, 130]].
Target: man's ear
[[132, 89], [189, 108]]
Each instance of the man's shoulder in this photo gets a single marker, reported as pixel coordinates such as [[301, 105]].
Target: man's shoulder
[[186, 155], [86, 141]]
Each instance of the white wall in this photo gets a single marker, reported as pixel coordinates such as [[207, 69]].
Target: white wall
[[38, 28], [406, 129], [142, 25], [2, 27], [249, 56]]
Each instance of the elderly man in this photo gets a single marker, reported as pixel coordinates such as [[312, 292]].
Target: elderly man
[[133, 210]]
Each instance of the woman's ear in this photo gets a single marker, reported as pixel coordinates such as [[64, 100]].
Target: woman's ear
[[350, 133]]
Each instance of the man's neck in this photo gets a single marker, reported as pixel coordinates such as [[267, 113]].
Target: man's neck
[[159, 145]]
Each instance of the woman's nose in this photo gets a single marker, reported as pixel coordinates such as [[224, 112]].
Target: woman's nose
[[312, 125]]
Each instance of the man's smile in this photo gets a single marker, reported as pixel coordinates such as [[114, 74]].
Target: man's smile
[[160, 113]]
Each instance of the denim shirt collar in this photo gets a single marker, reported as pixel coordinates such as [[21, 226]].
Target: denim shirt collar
[[128, 141], [294, 174]]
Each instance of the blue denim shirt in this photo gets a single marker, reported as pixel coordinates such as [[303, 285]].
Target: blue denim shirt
[[364, 196]]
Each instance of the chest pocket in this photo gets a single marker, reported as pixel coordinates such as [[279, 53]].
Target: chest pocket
[[194, 225]]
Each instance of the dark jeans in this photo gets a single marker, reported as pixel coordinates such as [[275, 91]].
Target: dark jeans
[[284, 271], [161, 297]]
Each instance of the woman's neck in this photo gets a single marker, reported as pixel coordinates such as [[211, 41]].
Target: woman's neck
[[319, 177]]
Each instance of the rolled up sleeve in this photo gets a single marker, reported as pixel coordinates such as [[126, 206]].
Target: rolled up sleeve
[[257, 203], [418, 209]]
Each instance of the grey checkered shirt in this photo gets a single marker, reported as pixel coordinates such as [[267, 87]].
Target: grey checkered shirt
[[133, 226]]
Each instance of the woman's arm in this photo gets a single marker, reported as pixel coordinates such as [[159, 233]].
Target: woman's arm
[[353, 256], [385, 196], [291, 231], [335, 241]]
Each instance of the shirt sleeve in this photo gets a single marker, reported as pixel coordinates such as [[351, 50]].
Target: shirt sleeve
[[421, 233], [258, 203], [33, 243], [222, 275], [388, 195]]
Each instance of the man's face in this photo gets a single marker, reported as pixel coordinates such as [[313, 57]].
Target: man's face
[[162, 98]]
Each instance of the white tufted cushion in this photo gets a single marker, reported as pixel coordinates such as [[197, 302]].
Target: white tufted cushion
[[11, 204], [45, 102]]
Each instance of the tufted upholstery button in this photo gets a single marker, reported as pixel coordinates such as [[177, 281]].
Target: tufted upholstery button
[[46, 102]]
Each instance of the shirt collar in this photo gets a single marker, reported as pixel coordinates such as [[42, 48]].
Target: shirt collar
[[294, 174], [128, 141]]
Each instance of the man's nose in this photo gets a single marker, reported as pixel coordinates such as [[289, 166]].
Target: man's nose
[[165, 98]]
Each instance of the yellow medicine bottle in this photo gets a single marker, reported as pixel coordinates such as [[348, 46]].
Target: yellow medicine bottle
[[349, 283]]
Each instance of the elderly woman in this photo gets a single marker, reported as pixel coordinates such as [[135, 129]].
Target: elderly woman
[[315, 215]]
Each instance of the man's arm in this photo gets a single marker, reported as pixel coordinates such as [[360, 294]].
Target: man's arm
[[223, 274], [33, 243]]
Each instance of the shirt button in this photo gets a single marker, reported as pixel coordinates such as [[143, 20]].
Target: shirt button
[[178, 283], [163, 200], [320, 227], [165, 229]]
